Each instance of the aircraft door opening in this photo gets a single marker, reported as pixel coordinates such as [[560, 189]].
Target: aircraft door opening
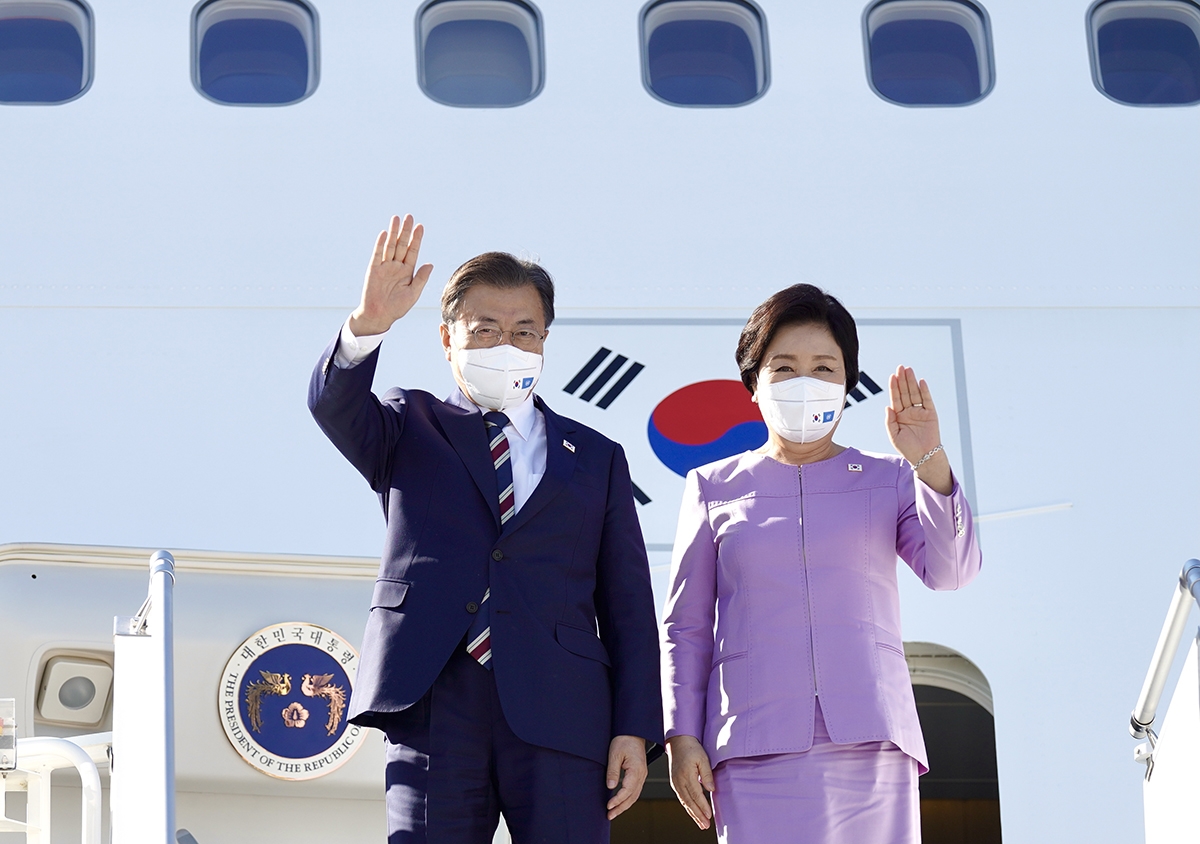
[[960, 796]]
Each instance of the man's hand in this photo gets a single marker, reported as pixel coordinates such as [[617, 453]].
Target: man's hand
[[690, 775], [627, 767], [393, 282]]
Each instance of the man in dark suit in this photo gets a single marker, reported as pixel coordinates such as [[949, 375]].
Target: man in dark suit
[[511, 653]]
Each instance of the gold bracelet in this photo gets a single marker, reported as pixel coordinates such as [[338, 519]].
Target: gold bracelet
[[932, 452]]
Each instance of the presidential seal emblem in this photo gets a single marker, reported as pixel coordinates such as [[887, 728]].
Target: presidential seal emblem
[[283, 701]]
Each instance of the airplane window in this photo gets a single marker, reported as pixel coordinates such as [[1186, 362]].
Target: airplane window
[[1146, 52], [254, 52], [704, 52], [479, 53], [928, 52], [45, 51]]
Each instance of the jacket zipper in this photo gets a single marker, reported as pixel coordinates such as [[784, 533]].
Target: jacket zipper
[[812, 643]]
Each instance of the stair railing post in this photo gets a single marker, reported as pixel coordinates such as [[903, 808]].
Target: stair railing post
[[143, 760]]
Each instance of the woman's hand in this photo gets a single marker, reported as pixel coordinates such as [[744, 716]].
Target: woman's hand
[[690, 776], [912, 426]]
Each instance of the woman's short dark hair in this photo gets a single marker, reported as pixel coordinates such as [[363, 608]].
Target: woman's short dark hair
[[497, 269], [800, 304]]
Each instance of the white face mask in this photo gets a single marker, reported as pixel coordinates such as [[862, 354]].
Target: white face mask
[[802, 409], [500, 377]]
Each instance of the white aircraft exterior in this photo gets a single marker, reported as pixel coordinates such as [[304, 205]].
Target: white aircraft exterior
[[171, 268]]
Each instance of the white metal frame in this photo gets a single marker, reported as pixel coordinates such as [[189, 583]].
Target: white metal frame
[[37, 759], [143, 764], [1187, 591]]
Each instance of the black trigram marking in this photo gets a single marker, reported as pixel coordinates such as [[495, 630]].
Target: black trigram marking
[[601, 381], [864, 380], [640, 496]]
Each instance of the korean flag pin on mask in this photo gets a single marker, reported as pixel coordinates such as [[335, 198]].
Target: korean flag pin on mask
[[802, 410]]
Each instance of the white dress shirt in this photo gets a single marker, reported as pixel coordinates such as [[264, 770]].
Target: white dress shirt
[[526, 428]]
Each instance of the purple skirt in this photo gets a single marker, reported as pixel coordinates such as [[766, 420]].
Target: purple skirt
[[863, 793]]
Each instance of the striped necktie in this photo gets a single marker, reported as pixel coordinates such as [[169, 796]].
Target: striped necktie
[[479, 637]]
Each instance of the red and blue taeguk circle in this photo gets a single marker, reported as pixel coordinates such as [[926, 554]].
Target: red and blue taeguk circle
[[703, 422]]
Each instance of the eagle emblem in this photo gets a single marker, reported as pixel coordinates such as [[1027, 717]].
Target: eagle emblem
[[270, 684], [319, 685]]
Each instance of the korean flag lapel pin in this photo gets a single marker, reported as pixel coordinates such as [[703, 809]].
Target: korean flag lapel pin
[[854, 467], [567, 445]]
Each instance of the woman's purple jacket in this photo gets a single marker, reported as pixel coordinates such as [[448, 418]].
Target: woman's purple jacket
[[783, 587]]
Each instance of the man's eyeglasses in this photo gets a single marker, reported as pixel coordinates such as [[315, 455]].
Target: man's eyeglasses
[[487, 336]]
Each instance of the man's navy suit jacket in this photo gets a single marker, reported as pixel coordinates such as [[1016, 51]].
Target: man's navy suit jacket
[[574, 634]]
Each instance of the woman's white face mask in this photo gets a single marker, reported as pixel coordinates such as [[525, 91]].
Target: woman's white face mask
[[803, 409], [500, 377]]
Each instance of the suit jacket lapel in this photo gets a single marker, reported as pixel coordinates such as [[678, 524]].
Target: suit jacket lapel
[[560, 465], [466, 432]]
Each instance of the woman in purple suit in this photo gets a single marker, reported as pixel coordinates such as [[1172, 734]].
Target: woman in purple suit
[[786, 691]]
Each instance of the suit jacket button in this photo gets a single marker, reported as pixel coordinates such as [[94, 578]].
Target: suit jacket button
[[472, 607], [497, 555]]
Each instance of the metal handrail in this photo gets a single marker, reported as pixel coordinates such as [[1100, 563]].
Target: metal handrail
[[40, 755], [1186, 591]]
